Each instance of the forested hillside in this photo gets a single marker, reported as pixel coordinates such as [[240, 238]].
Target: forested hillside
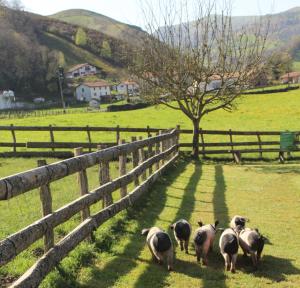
[[32, 47]]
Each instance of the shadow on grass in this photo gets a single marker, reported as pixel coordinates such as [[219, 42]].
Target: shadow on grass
[[273, 268], [155, 275], [215, 270], [145, 213]]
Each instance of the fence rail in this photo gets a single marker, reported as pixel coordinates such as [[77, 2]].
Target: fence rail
[[253, 141], [42, 177]]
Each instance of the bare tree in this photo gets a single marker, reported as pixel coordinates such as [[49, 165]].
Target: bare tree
[[198, 66]]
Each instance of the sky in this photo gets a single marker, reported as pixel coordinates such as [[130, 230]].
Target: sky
[[129, 11]]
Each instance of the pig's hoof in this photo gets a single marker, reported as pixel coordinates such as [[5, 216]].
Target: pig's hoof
[[170, 268]]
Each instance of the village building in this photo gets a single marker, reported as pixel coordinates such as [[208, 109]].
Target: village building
[[292, 77], [81, 70], [99, 90], [7, 99], [126, 88]]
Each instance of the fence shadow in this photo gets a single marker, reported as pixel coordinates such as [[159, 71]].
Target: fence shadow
[[155, 275], [273, 268], [145, 213], [214, 274]]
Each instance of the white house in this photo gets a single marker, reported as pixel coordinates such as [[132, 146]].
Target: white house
[[7, 99], [81, 70], [127, 88], [99, 90]]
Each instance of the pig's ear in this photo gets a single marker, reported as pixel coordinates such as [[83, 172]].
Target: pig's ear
[[172, 226], [145, 231], [256, 229], [216, 223], [200, 223]]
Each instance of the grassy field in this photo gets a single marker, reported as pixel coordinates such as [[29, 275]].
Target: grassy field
[[279, 111], [267, 194]]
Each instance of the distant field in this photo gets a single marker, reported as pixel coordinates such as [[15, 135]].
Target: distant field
[[267, 194], [278, 111]]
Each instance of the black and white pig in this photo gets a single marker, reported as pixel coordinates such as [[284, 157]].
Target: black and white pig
[[160, 245], [229, 246], [252, 242], [238, 220], [182, 232], [204, 240]]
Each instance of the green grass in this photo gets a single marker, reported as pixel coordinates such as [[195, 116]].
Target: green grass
[[74, 54], [267, 194], [296, 66], [279, 111]]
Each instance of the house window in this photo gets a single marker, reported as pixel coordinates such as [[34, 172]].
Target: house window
[[95, 94], [82, 89], [87, 68]]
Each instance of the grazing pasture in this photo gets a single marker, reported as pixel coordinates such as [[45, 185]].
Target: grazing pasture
[[267, 194]]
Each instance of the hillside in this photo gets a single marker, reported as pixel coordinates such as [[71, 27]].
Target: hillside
[[101, 23], [33, 46]]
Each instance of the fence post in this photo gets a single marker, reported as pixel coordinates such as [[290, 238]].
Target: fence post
[[142, 159], [259, 145], [13, 134], [118, 134], [122, 169], [148, 132], [177, 138], [157, 150], [202, 141], [150, 154], [46, 200], [135, 161], [89, 137], [104, 178], [51, 136], [162, 147], [83, 187]]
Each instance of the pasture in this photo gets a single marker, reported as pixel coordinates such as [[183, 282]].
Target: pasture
[[190, 190], [267, 193]]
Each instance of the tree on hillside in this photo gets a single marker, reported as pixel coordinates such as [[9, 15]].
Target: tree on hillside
[[279, 63], [80, 37], [196, 67], [105, 49]]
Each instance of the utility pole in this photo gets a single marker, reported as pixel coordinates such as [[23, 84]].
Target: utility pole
[[60, 79]]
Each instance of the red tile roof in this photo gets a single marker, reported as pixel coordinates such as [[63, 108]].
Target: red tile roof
[[78, 66], [291, 75], [96, 84]]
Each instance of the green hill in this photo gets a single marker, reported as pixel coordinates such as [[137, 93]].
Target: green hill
[[101, 23]]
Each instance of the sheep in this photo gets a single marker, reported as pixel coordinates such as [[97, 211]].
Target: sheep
[[238, 220], [204, 239], [252, 242], [182, 232], [160, 245], [229, 246]]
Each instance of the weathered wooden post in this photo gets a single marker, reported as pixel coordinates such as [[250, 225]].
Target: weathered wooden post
[[122, 169], [13, 134], [51, 136], [157, 151], [259, 145], [203, 143], [83, 187], [118, 134], [89, 137], [148, 132], [142, 159], [135, 161], [177, 138], [150, 154], [162, 147], [104, 177], [46, 200]]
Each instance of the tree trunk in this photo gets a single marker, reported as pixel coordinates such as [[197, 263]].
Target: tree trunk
[[195, 153]]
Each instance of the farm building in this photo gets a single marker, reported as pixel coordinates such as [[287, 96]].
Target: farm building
[[99, 90], [81, 70], [7, 99], [126, 88], [292, 77]]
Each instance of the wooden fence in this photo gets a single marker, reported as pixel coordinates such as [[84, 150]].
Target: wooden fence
[[153, 154], [225, 143]]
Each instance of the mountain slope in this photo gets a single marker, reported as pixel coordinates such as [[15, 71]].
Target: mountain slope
[[101, 23]]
